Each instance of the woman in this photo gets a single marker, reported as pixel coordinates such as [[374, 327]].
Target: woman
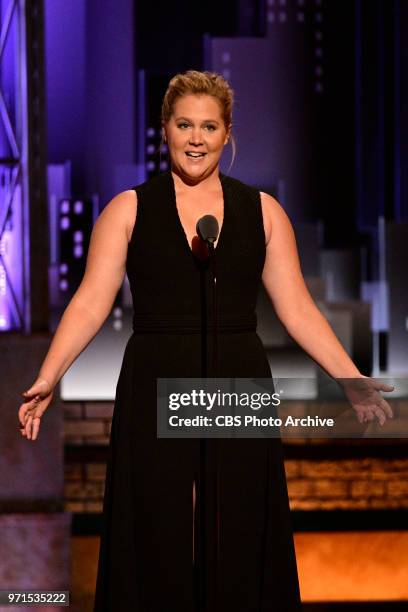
[[147, 555]]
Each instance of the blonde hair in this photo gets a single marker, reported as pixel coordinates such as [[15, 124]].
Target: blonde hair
[[195, 82]]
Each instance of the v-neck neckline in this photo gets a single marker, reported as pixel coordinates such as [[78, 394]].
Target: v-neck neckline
[[179, 223]]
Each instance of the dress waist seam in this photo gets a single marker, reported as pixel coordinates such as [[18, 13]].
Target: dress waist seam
[[192, 324]]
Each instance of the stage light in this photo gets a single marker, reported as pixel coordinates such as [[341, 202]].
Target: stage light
[[64, 207], [78, 207]]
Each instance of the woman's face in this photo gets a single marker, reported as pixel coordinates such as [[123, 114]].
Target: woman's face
[[196, 136]]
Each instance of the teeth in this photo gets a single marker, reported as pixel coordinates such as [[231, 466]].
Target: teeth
[[194, 154]]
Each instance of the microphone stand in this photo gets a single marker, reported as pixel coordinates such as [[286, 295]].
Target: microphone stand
[[199, 531], [213, 442], [214, 309], [206, 458]]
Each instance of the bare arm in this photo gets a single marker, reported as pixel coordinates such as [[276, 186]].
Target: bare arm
[[89, 307], [93, 300], [283, 281]]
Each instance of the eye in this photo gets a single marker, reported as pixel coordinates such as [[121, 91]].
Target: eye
[[211, 127], [182, 125]]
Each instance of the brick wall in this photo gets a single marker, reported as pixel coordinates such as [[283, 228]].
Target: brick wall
[[347, 484], [313, 484], [87, 423]]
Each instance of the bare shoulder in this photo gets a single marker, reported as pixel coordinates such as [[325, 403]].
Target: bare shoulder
[[274, 216], [121, 211]]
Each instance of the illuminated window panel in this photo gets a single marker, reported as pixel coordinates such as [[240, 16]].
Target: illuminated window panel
[[154, 150], [78, 207], [76, 219]]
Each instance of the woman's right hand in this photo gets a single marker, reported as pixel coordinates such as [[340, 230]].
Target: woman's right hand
[[364, 395], [36, 401]]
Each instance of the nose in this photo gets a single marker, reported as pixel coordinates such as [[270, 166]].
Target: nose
[[195, 137]]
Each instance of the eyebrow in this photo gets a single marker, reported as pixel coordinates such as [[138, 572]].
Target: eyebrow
[[204, 120]]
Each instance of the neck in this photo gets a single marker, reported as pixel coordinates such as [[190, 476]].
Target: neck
[[182, 181]]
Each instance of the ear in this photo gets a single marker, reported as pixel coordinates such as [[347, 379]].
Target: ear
[[164, 134], [228, 134]]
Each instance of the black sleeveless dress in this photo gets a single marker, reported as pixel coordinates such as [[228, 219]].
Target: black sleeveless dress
[[146, 550]]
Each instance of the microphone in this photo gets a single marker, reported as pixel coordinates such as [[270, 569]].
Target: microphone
[[207, 228]]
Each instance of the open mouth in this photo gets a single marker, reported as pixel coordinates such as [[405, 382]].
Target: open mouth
[[195, 154]]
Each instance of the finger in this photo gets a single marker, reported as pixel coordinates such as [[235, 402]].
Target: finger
[[28, 426], [23, 429], [34, 390], [361, 414], [40, 386], [23, 408], [32, 401], [387, 408], [21, 413], [22, 417], [36, 428], [30, 406], [30, 392], [34, 418], [384, 386], [381, 416], [26, 415]]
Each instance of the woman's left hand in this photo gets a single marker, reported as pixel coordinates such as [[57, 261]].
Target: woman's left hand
[[363, 394]]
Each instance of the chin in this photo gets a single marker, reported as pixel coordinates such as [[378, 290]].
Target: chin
[[198, 169], [194, 172]]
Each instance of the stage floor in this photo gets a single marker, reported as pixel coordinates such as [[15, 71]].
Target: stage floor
[[338, 572]]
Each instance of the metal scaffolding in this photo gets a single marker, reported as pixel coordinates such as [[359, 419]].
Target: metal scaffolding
[[23, 203]]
